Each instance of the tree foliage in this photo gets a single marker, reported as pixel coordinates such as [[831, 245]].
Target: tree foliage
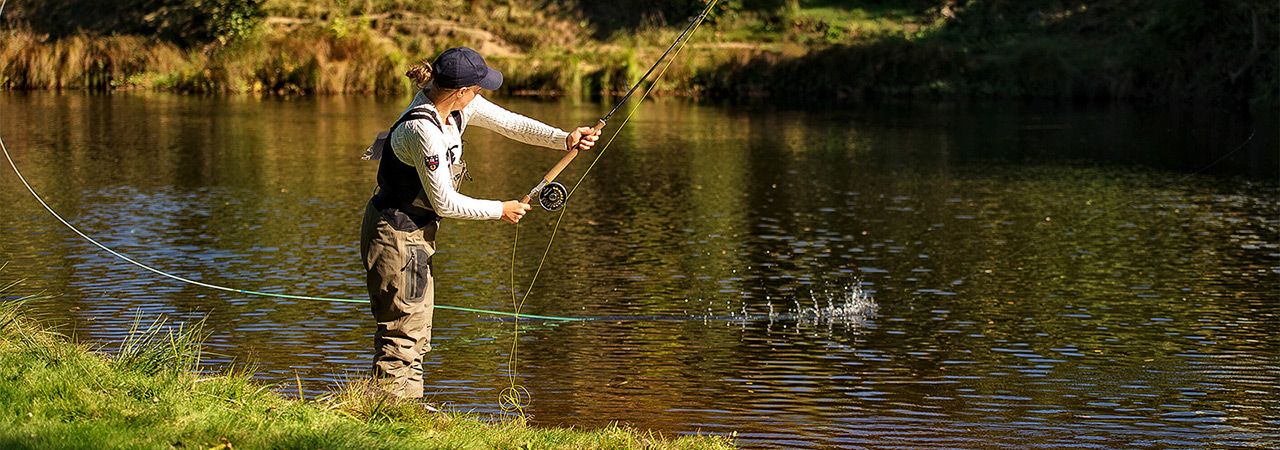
[[183, 22], [1188, 48]]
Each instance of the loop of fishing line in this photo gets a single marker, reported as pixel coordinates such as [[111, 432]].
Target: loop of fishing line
[[516, 397], [178, 278]]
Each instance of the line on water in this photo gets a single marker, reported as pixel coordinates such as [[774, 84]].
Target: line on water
[[228, 289], [162, 273]]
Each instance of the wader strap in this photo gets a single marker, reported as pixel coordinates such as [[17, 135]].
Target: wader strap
[[403, 211]]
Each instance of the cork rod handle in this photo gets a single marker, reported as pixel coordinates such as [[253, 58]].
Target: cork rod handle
[[560, 165]]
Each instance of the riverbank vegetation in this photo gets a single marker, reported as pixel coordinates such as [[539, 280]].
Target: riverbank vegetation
[[149, 392], [1149, 50]]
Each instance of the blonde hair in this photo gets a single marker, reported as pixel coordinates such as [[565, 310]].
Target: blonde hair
[[421, 74]]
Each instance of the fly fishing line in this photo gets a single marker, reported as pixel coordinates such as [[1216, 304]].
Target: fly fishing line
[[181, 279], [515, 397]]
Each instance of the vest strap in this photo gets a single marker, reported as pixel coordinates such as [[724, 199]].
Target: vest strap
[[398, 183]]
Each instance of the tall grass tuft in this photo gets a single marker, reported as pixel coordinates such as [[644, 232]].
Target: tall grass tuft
[[363, 399], [30, 61], [14, 325], [161, 347], [21, 335], [9, 304]]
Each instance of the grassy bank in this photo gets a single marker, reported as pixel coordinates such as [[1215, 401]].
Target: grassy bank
[[56, 393], [1162, 50]]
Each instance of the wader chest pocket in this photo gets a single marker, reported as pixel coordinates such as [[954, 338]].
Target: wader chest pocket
[[417, 273]]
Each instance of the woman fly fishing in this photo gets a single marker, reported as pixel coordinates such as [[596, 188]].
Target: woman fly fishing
[[419, 173]]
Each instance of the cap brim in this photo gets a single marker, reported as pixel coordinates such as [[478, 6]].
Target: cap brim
[[492, 80]]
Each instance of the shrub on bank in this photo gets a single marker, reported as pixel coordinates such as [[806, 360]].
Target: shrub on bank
[[1171, 50]]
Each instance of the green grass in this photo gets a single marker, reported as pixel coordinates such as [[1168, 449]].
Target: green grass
[[56, 393]]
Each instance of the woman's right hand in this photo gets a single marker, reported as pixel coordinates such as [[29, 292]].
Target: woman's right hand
[[582, 138], [513, 210]]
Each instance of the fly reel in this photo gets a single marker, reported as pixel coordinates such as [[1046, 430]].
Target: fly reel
[[553, 196]]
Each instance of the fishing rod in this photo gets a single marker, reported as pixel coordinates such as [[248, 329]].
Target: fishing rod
[[4, 149], [553, 195]]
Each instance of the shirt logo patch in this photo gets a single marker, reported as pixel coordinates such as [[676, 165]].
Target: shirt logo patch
[[433, 162]]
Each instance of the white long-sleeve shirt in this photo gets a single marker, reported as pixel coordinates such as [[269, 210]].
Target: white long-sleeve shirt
[[419, 141]]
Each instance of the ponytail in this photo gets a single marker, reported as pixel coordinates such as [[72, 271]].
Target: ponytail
[[421, 74]]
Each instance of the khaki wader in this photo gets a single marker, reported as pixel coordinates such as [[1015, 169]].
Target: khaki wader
[[402, 295]]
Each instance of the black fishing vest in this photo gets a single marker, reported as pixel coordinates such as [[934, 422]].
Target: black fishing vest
[[400, 198]]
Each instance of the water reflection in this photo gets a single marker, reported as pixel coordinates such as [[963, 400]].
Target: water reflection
[[1003, 276]]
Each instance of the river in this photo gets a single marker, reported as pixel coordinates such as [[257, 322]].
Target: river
[[994, 275]]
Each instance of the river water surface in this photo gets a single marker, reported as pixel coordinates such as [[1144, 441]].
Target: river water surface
[[889, 276]]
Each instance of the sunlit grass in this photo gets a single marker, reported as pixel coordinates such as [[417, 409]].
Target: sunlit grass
[[57, 393], [334, 46]]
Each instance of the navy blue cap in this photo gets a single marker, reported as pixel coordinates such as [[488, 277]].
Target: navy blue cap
[[460, 67]]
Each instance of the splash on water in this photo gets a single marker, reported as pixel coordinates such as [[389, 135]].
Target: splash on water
[[849, 306]]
